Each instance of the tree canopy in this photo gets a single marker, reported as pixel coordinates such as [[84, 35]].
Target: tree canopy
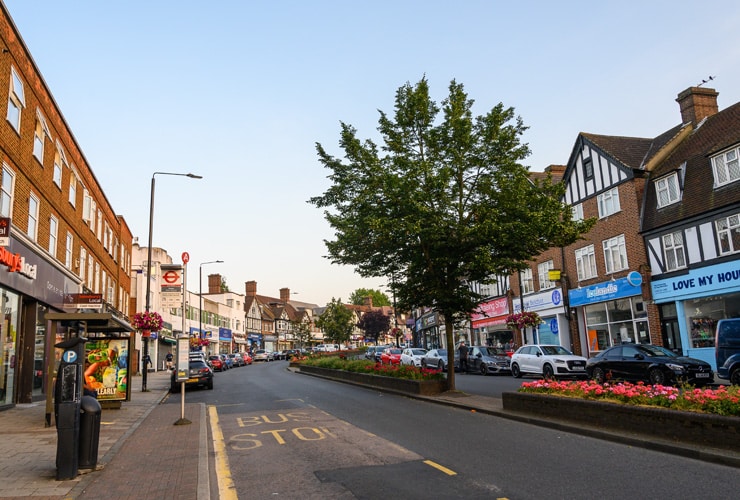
[[337, 322], [442, 202], [373, 323], [379, 298]]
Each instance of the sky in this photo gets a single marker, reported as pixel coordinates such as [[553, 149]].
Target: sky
[[240, 92]]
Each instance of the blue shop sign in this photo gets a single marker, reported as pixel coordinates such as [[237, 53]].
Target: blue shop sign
[[608, 290], [710, 280], [224, 334]]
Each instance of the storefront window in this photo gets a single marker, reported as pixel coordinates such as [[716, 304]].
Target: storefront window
[[702, 316], [39, 368], [8, 339], [616, 322]]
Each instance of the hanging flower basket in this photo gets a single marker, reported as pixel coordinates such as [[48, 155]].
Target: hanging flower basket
[[147, 321], [196, 342], [523, 320]]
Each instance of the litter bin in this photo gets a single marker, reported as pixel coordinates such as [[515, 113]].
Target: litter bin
[[90, 411]]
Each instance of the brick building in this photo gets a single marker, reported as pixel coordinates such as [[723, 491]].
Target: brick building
[[62, 238]]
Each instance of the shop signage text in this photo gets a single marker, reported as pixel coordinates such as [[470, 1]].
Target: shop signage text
[[697, 281], [17, 264]]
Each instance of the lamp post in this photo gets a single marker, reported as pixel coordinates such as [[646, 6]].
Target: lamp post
[[148, 302], [200, 296]]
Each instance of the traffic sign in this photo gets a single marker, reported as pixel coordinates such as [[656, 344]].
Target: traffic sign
[[185, 257], [171, 277]]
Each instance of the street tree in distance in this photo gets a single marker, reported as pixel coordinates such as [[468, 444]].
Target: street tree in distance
[[373, 323], [337, 322], [443, 201], [302, 333], [379, 298]]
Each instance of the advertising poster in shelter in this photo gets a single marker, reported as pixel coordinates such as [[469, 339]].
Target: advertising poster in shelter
[[106, 368]]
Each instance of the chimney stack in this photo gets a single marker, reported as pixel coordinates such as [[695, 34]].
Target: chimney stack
[[368, 301], [251, 288], [697, 103], [284, 295], [214, 283]]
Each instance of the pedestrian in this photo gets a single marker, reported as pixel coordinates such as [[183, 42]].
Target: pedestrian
[[147, 361], [168, 359], [463, 350]]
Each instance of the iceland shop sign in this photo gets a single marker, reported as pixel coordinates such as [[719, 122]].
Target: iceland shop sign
[[711, 280], [608, 290]]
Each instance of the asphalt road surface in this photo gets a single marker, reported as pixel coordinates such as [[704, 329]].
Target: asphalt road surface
[[279, 434]]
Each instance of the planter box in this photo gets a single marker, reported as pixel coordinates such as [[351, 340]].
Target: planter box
[[421, 387], [661, 423]]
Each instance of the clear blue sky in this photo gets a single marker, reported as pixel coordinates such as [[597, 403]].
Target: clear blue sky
[[240, 91]]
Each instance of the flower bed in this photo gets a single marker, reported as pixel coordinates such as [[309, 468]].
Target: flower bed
[[401, 378]]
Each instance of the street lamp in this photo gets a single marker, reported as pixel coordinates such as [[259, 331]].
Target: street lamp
[[148, 303], [200, 296]]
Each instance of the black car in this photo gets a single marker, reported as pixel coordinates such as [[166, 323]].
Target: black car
[[648, 363], [199, 374]]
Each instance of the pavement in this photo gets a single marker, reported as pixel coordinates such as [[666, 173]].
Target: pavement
[[143, 432]]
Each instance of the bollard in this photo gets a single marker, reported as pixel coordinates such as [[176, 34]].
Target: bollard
[[90, 414]]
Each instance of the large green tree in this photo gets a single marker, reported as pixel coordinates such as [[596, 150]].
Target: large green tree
[[337, 322], [444, 201], [379, 298]]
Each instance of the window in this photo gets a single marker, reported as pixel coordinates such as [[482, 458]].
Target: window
[[615, 254], [33, 217], [99, 232], [673, 251], [542, 273], [667, 190], [586, 263], [588, 168], [577, 211], [57, 175], [728, 234], [608, 203], [526, 280], [16, 100], [39, 134], [90, 275], [68, 251], [6, 192], [53, 228], [73, 190], [82, 264], [726, 167]]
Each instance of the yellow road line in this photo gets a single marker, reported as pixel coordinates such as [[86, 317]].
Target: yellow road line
[[447, 471], [226, 489]]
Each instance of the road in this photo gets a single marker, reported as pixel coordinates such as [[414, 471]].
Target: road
[[289, 435]]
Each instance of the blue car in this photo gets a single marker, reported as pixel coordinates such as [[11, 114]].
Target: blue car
[[227, 361]]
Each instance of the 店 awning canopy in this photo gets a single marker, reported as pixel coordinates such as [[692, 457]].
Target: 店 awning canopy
[[95, 322]]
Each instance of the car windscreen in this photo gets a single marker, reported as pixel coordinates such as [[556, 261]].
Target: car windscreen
[[492, 351], [654, 350], [555, 350], [418, 352]]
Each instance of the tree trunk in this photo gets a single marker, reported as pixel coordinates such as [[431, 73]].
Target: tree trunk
[[450, 354]]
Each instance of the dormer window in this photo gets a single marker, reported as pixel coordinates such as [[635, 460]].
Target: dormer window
[[726, 167], [667, 190]]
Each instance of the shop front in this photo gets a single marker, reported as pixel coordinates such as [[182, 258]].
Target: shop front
[[166, 343], [690, 306], [549, 305], [429, 331], [240, 342], [224, 341], [254, 341], [488, 323], [30, 287], [612, 313]]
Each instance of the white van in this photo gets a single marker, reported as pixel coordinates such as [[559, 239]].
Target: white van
[[327, 347]]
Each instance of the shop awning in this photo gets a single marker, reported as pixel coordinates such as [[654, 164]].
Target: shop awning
[[96, 322]]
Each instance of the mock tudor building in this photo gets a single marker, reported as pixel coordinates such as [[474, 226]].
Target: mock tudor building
[[691, 226]]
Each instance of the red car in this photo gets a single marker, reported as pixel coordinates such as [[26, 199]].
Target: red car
[[391, 356], [247, 358], [217, 363]]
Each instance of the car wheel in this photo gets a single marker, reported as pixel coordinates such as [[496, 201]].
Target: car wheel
[[656, 376], [547, 371], [598, 375], [735, 377], [423, 364], [515, 371], [483, 369], [441, 366], [210, 384]]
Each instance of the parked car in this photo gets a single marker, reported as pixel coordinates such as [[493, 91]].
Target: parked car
[[547, 360], [370, 352], [485, 360], [327, 347], [435, 359], [727, 350], [236, 359], [261, 355], [391, 356], [247, 358], [648, 363], [199, 374], [276, 355], [216, 362], [228, 361], [412, 356]]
